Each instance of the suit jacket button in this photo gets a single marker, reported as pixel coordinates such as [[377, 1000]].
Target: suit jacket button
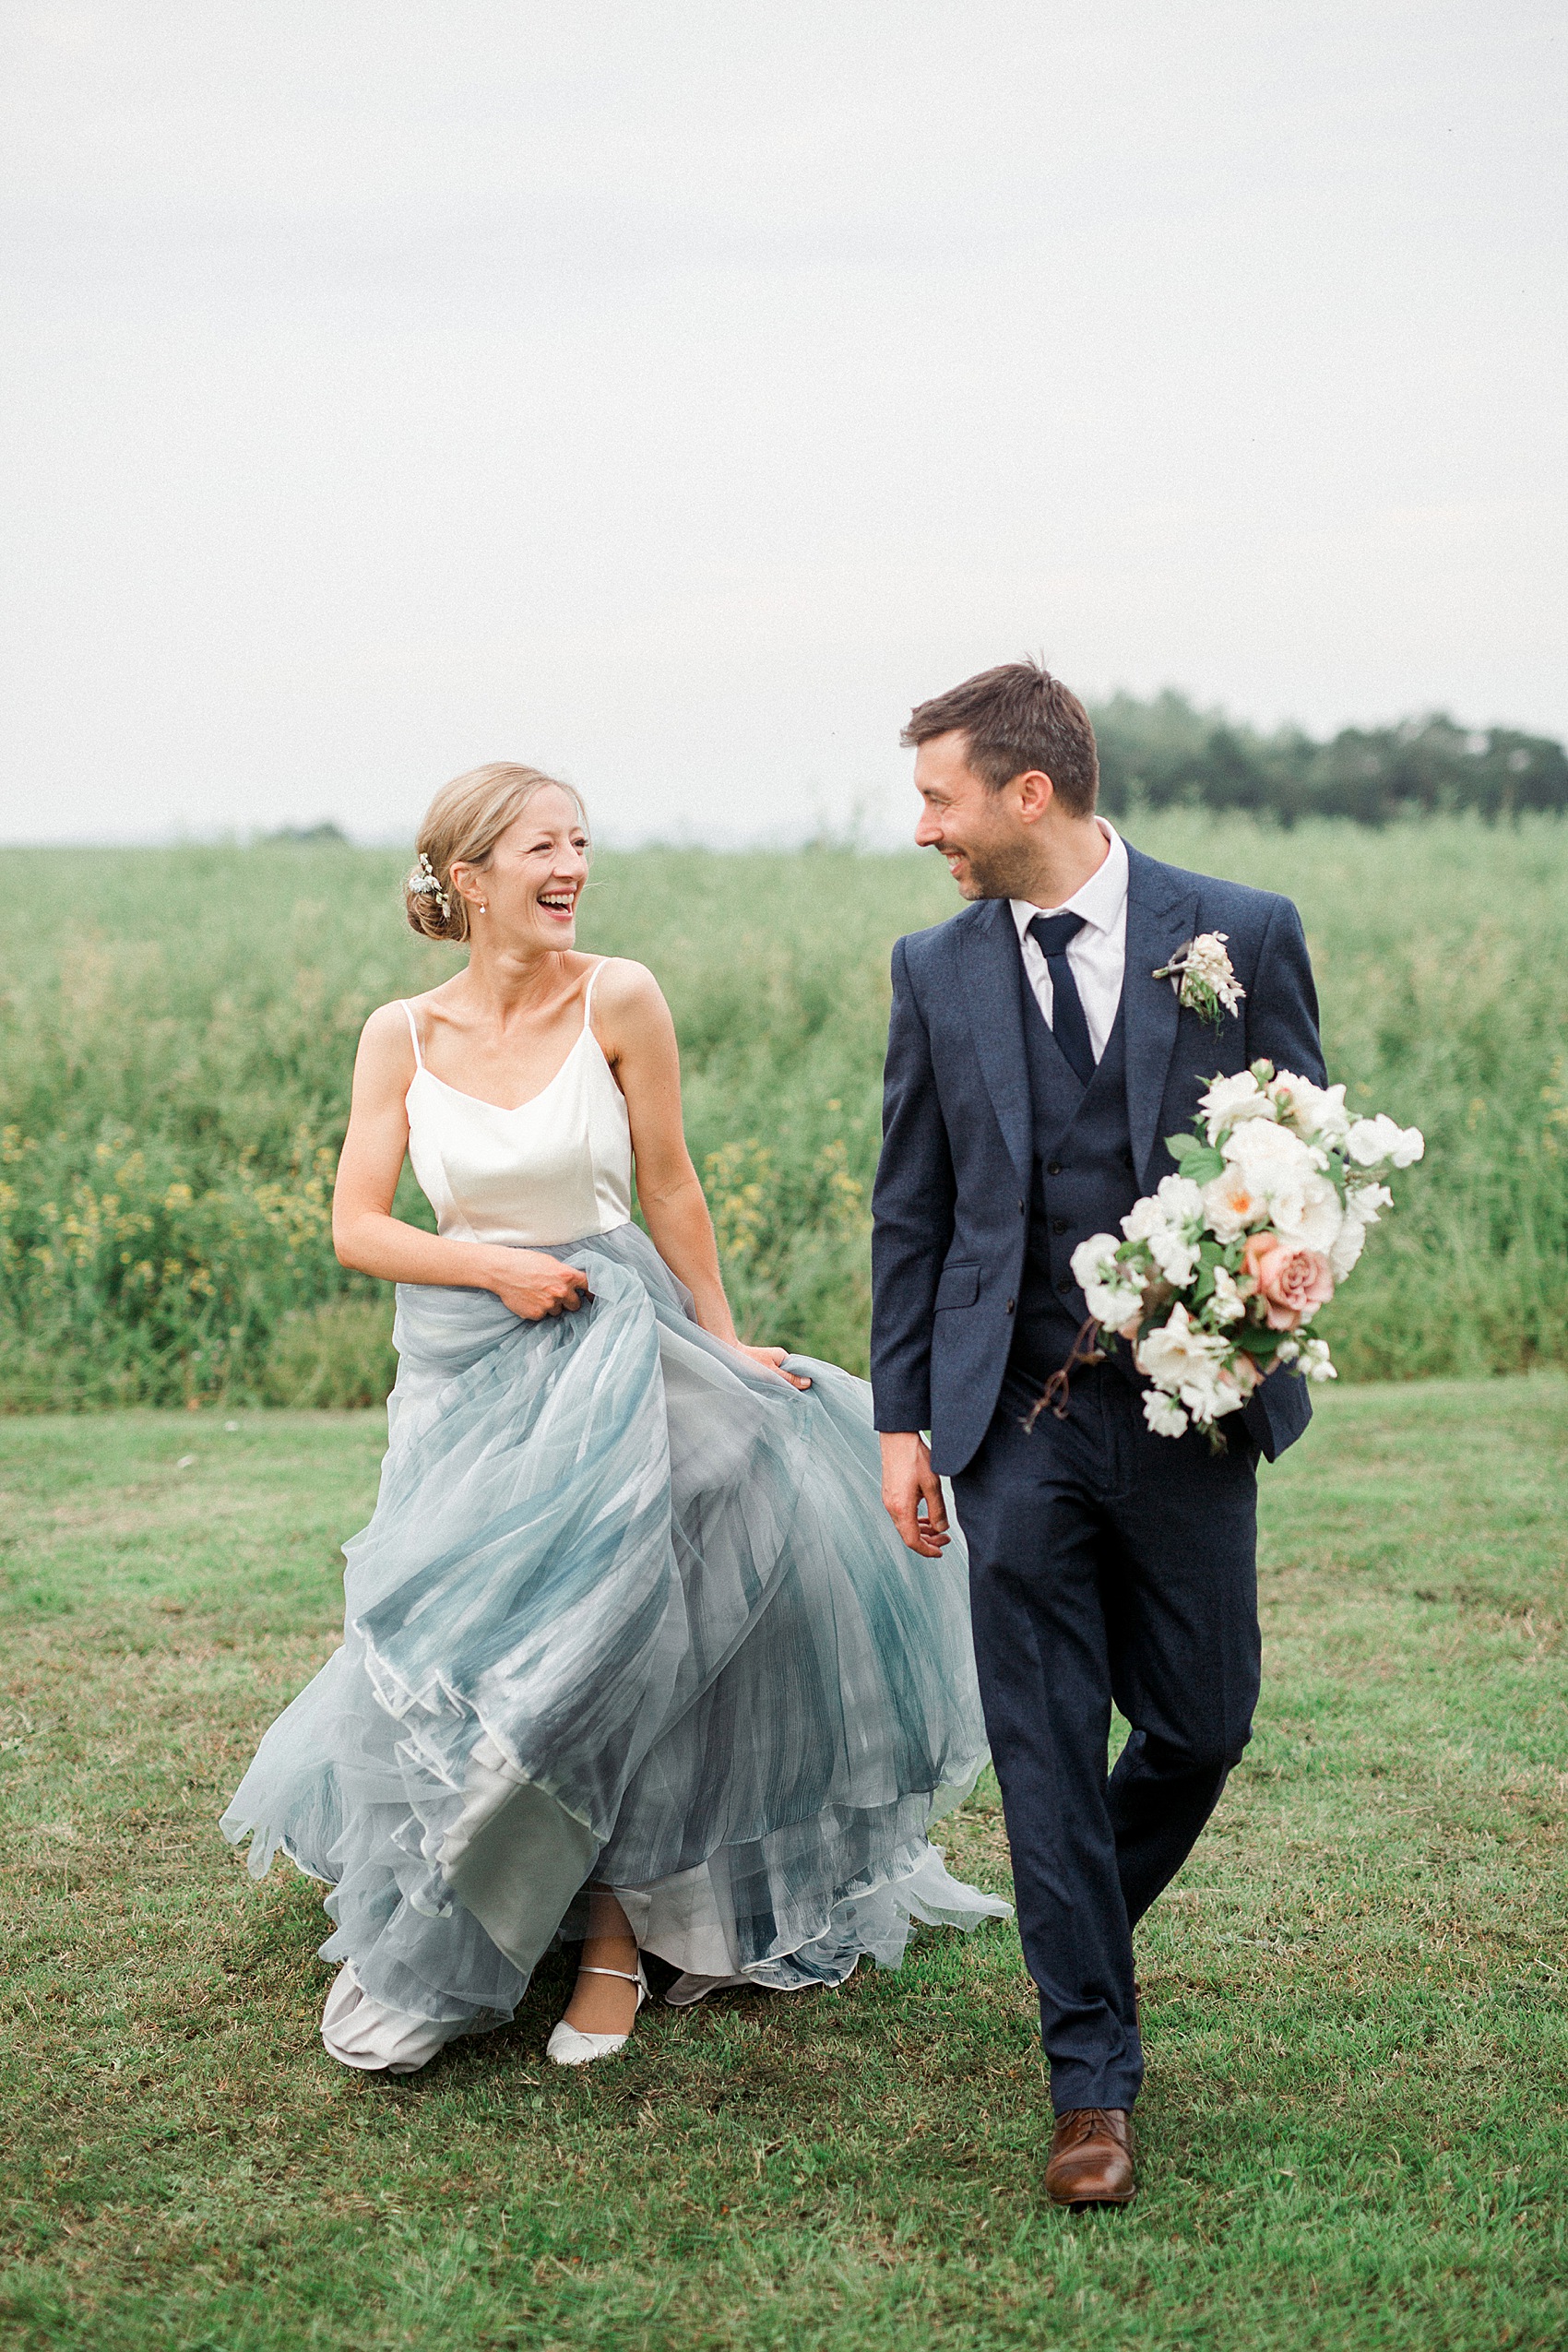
[[1053, 1168], [1066, 1283], [1059, 1225]]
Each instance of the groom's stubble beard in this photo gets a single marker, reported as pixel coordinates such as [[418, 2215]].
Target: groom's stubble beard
[[996, 869]]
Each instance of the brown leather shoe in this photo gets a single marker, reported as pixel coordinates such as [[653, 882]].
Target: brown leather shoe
[[1091, 2158]]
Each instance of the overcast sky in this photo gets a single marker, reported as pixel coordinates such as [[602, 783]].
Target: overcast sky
[[674, 393]]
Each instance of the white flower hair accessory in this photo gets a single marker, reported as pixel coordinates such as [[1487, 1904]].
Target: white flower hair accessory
[[1201, 975], [424, 882]]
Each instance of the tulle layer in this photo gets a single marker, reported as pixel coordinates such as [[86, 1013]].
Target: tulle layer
[[629, 1609]]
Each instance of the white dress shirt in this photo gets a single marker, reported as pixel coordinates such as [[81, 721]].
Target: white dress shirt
[[1098, 953]]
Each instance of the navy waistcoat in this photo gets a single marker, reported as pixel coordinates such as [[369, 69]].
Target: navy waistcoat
[[1083, 1182]]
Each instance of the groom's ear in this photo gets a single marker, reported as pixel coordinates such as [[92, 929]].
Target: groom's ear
[[1032, 793]]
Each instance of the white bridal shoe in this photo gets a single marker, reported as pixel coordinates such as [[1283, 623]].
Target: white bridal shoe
[[363, 2032], [568, 2048]]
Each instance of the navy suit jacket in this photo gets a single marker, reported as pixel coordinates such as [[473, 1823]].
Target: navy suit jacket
[[958, 1139]]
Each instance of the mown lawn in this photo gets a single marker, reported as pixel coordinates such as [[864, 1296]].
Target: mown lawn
[[1353, 2134]]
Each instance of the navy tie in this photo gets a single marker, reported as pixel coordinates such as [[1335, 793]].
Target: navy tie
[[1068, 1026]]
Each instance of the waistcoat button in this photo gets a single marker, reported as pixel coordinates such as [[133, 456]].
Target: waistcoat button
[[1009, 1307], [1065, 1283], [1059, 1225], [1053, 1168]]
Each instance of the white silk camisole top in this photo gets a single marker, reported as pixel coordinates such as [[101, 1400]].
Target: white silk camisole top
[[557, 1169]]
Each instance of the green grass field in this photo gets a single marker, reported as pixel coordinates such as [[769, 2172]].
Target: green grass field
[[1353, 2134], [177, 1029]]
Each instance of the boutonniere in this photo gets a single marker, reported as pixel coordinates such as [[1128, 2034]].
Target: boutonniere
[[1201, 975]]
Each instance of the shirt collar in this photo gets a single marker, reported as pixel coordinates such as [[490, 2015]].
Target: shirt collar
[[1102, 897]]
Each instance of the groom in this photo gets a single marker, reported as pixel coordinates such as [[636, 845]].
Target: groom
[[1035, 1066]]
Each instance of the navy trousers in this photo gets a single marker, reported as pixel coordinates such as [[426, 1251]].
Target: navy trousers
[[1106, 1564]]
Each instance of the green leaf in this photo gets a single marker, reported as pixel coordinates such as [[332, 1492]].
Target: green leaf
[[1261, 1342], [1180, 1145], [1202, 1165]]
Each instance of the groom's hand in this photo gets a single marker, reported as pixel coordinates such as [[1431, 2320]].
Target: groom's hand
[[907, 1482]]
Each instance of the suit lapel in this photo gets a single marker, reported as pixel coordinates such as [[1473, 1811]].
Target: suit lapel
[[1161, 916], [993, 1000]]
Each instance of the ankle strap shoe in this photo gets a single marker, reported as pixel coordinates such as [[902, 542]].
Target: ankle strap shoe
[[567, 2046]]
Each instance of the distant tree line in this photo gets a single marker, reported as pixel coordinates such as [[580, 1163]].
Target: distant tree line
[[1165, 753]]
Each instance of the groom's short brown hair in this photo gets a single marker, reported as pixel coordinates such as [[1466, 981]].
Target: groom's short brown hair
[[1017, 716]]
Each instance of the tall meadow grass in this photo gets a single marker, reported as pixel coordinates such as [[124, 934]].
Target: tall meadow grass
[[177, 1029]]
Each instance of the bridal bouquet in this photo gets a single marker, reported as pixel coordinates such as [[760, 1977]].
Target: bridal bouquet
[[1220, 1270]]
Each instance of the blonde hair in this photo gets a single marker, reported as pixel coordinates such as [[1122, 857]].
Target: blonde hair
[[461, 826]]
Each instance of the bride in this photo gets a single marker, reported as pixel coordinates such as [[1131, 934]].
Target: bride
[[632, 1655]]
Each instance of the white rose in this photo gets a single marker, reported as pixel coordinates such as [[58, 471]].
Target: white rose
[[1306, 1210], [1226, 1305], [1369, 1141], [1315, 1360], [1230, 1100], [1163, 1414], [1232, 1203], [1316, 1113], [1269, 1154]]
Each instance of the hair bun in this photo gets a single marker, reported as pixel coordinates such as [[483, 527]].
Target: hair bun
[[428, 900]]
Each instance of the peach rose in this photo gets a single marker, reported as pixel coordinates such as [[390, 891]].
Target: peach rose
[[1290, 1281]]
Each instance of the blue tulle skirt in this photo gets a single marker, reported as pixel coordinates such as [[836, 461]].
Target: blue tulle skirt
[[629, 1610]]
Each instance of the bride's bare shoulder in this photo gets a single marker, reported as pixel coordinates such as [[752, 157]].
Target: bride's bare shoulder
[[624, 986], [629, 1013], [393, 1019], [387, 1044]]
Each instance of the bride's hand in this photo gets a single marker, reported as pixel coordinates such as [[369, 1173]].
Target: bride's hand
[[772, 1360], [535, 1285]]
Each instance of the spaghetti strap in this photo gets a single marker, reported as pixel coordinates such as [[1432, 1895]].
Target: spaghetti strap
[[413, 1032], [587, 992]]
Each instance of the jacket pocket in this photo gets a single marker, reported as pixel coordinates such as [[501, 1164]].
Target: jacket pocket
[[959, 1287]]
